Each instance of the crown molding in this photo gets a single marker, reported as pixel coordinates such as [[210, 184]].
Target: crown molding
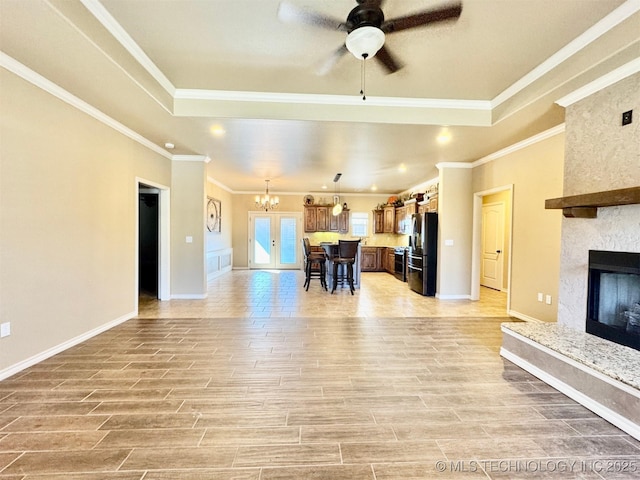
[[620, 14], [442, 165], [219, 184], [120, 34], [520, 145], [190, 158], [320, 99], [601, 83], [24, 72]]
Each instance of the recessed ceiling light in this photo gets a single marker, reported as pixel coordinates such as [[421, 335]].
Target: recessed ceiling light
[[170, 146], [217, 130], [374, 188], [444, 136], [324, 187], [402, 168]]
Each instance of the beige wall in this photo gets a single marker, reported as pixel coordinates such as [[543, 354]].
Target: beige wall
[[188, 217], [455, 209], [68, 205], [536, 174], [601, 155]]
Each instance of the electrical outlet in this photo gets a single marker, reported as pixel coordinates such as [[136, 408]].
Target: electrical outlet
[[627, 118], [539, 296], [5, 329], [547, 300]]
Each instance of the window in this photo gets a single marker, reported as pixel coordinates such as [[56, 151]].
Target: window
[[359, 224]]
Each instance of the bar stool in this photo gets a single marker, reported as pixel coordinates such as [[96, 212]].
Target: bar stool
[[314, 265], [347, 251]]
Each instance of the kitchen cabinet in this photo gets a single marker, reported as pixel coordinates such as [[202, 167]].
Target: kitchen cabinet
[[433, 203], [403, 219], [399, 217], [316, 218], [378, 221], [389, 262], [339, 223], [389, 225], [371, 259]]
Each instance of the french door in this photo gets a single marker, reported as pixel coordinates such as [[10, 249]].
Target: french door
[[275, 240]]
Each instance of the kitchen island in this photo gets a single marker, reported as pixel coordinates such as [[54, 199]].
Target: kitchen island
[[331, 249]]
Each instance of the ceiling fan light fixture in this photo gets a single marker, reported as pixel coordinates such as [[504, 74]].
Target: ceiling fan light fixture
[[364, 42]]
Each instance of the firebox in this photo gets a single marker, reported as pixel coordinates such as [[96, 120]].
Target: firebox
[[613, 301]]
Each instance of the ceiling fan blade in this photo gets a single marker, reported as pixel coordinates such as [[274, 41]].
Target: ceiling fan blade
[[290, 13], [326, 66], [449, 13], [388, 61]]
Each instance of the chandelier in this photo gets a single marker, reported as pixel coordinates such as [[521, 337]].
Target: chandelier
[[267, 202]]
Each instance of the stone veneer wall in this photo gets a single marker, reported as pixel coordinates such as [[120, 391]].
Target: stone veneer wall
[[600, 154]]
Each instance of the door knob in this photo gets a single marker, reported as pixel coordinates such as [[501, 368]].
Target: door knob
[[498, 251]]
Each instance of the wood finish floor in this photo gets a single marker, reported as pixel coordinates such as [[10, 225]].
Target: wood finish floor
[[265, 381]]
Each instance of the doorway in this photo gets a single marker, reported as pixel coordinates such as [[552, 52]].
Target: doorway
[[489, 267], [275, 240], [152, 242], [148, 241]]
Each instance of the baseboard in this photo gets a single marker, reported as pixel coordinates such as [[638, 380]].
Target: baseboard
[[18, 367], [453, 297], [189, 296], [218, 273], [522, 316]]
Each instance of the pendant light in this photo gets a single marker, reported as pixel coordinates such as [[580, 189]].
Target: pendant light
[[337, 206]]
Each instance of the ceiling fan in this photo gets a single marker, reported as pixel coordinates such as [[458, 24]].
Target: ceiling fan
[[366, 28]]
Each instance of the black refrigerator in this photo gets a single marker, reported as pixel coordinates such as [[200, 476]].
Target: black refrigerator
[[423, 253]]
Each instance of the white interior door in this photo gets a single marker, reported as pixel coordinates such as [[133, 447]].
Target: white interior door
[[492, 245], [275, 240]]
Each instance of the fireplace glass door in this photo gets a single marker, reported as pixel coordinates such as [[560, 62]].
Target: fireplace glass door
[[613, 309]]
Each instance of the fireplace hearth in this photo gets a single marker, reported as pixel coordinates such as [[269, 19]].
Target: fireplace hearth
[[613, 302]]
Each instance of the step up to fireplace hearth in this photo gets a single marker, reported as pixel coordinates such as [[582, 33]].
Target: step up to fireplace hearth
[[600, 375]]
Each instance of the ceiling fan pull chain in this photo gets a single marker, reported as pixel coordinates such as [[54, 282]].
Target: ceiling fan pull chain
[[363, 72]]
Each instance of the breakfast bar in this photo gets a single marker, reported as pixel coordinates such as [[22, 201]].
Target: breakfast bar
[[331, 249]]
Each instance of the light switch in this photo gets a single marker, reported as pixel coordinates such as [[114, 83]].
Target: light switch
[[547, 300], [5, 329], [189, 239], [540, 295]]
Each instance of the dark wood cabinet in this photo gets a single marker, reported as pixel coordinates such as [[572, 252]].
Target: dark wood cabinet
[[339, 223], [390, 260], [371, 259], [322, 219], [310, 219], [389, 221], [318, 218], [378, 221]]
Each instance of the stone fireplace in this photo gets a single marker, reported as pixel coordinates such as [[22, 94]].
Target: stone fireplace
[[613, 305], [600, 155]]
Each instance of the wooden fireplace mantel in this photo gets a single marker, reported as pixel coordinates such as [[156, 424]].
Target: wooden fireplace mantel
[[586, 205]]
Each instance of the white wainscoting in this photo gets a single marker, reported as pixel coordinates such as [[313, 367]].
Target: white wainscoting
[[219, 262]]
